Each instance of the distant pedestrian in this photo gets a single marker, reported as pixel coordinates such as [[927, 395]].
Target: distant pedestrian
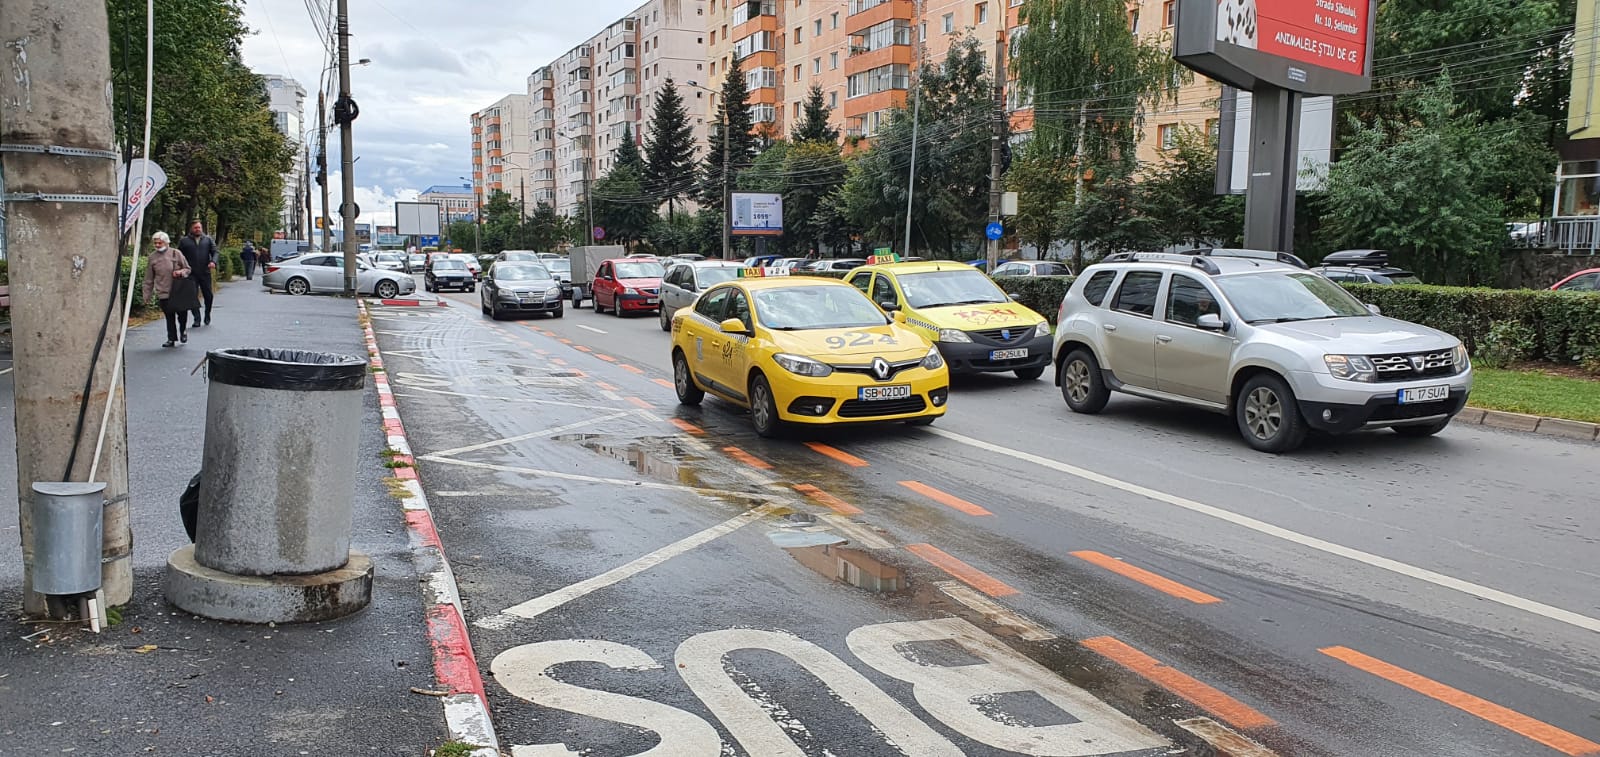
[[167, 280], [264, 259], [248, 257], [201, 251]]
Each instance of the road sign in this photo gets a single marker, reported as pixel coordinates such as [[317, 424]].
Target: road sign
[[994, 230], [428, 240], [599, 233]]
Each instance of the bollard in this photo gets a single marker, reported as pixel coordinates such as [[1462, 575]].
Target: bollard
[[281, 447], [66, 536]]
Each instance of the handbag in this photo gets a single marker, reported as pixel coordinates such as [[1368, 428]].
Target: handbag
[[184, 295]]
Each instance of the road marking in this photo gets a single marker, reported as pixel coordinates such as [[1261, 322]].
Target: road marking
[[1235, 712], [605, 357], [524, 437], [1367, 558], [558, 361], [828, 500], [604, 387], [564, 340], [631, 368], [948, 500], [747, 458], [640, 403], [969, 575], [1152, 580], [997, 614], [687, 427], [533, 608], [665, 383], [582, 348], [700, 490], [1511, 720], [858, 534], [1228, 742], [837, 454], [528, 400], [591, 328]]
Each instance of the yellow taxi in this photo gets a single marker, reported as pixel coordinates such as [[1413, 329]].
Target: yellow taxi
[[976, 326], [798, 350]]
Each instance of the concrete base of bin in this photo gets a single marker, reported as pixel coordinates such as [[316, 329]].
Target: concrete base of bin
[[209, 593]]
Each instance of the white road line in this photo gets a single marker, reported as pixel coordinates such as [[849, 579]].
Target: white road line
[[591, 328], [1367, 558], [996, 613], [533, 608], [530, 435], [858, 534], [703, 491]]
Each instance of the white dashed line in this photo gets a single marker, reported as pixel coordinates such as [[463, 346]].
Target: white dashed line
[[591, 328]]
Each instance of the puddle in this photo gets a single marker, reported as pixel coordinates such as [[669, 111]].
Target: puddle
[[840, 563], [662, 459]]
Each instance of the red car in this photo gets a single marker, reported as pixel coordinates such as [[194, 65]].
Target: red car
[[1583, 281], [625, 285]]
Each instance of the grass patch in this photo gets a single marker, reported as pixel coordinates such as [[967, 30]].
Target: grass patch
[[392, 464], [397, 489], [1536, 393], [454, 749]]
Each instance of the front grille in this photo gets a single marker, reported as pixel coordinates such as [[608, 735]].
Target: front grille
[[1405, 366], [866, 370], [860, 409], [998, 335]]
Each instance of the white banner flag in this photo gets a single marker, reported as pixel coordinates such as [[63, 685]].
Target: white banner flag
[[137, 195]]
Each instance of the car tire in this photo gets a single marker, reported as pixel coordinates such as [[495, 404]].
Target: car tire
[[471, 288], [297, 286], [484, 306], [661, 315], [616, 309], [1268, 415], [1082, 385], [386, 289], [595, 305], [1424, 430], [558, 312], [764, 409], [683, 381], [427, 286], [1029, 374]]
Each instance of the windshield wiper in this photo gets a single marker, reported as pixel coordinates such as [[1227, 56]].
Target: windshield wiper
[[1295, 318]]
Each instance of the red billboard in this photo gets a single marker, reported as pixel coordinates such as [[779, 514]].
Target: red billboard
[[1326, 33], [1307, 46]]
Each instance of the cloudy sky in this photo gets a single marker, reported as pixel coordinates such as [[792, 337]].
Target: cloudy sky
[[433, 64]]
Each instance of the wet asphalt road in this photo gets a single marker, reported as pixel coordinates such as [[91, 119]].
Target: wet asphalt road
[[1367, 596]]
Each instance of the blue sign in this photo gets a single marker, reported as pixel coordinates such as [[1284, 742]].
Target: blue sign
[[430, 241], [994, 230]]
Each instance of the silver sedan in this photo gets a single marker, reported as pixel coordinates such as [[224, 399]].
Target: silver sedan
[[309, 274]]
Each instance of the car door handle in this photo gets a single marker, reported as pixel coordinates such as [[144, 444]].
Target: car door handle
[[1110, 326], [1163, 338]]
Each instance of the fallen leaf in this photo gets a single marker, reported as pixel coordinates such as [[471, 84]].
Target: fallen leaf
[[210, 699], [429, 692], [147, 649]]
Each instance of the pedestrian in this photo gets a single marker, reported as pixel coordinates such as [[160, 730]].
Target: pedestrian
[[201, 251], [167, 280], [247, 255], [264, 259]]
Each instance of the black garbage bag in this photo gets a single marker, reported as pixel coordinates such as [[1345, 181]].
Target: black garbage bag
[[189, 505]]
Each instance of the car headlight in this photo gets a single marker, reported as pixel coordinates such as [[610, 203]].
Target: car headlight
[[1350, 367], [553, 292], [953, 335], [1043, 330], [933, 360], [625, 290], [1463, 360], [802, 366]]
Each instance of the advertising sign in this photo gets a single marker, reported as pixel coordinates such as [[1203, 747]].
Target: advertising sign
[[1320, 47], [419, 218], [141, 179], [757, 213]]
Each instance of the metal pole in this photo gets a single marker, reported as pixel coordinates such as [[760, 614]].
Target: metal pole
[[344, 110], [916, 117], [322, 168], [588, 200], [727, 197], [996, 142], [306, 230]]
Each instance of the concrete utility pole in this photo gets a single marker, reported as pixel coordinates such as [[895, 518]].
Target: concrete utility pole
[[58, 161], [322, 169], [727, 196], [997, 144], [345, 112], [306, 182], [916, 119]]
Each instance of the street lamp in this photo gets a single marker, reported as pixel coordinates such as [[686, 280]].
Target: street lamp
[[727, 197], [477, 212]]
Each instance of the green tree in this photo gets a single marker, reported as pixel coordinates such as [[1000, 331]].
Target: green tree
[[1108, 220], [627, 153], [813, 172], [1039, 179], [1179, 194], [814, 125], [622, 207], [727, 156], [501, 223], [545, 229], [669, 149]]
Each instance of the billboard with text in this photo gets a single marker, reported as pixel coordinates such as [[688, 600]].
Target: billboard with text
[[1320, 47]]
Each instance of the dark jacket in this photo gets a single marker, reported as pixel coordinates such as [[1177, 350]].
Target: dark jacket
[[201, 253], [248, 252]]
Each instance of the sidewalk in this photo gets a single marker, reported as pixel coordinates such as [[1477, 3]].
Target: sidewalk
[[212, 688]]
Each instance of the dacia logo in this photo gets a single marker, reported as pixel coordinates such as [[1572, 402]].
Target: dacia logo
[[1417, 363], [1005, 334], [880, 368]]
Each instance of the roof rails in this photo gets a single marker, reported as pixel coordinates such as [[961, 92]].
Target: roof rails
[[1195, 261], [1279, 257]]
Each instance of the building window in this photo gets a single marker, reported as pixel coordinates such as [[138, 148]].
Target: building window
[[1167, 136], [1169, 13], [833, 61], [949, 23], [834, 23], [816, 65], [833, 99], [797, 35], [816, 30], [1214, 129], [922, 32], [796, 110], [857, 6], [763, 113], [1133, 21], [880, 79], [980, 14], [797, 73]]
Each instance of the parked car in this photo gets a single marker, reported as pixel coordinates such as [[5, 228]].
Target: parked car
[[761, 261], [448, 273], [622, 285], [1033, 268], [415, 262], [1587, 280], [686, 256], [390, 261], [473, 266], [834, 264], [1364, 267], [529, 255], [512, 287], [787, 264], [314, 273], [684, 281], [562, 269], [1278, 347]]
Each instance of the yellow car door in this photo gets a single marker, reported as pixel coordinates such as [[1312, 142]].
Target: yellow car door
[[736, 358], [703, 338]]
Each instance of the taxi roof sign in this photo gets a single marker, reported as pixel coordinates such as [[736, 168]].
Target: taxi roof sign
[[882, 258], [761, 273]]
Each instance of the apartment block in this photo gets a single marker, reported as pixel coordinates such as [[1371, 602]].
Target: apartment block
[[457, 201], [1193, 104], [286, 99], [500, 149]]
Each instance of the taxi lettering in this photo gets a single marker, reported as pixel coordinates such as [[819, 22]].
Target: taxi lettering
[[859, 339]]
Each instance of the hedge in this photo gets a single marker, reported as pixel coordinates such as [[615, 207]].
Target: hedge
[[1500, 325]]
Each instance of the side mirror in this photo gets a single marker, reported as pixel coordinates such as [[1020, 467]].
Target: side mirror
[[889, 307], [1012, 296], [1211, 322], [898, 316], [734, 326], [688, 286], [1374, 309]]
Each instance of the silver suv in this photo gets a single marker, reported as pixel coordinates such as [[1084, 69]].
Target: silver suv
[[1255, 335]]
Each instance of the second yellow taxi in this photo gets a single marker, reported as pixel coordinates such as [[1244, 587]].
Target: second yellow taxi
[[804, 351]]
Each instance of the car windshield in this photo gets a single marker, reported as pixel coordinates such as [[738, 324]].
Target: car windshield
[[1404, 278], [389, 258], [521, 256], [938, 288], [716, 274], [816, 307], [448, 265], [1283, 297], [558, 265], [520, 272], [639, 269]]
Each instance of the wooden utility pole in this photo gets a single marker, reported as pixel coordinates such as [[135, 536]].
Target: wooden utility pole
[[322, 168], [59, 163], [344, 111], [997, 140]]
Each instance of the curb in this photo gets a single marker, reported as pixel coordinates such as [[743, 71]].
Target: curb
[[466, 706], [1532, 424], [412, 303]]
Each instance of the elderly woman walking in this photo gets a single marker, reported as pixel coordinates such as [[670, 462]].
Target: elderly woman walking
[[166, 278]]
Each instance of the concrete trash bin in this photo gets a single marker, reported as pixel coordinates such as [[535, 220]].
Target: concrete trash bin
[[281, 446], [67, 518]]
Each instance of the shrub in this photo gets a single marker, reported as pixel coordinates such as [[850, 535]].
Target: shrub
[[1507, 343], [1041, 294], [1558, 327], [138, 281]]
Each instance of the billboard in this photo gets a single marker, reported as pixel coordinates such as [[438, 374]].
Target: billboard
[[420, 218], [757, 213], [1320, 47], [1315, 126]]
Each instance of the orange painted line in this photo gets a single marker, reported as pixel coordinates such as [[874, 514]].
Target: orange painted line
[[582, 348], [1236, 713], [948, 500], [640, 403], [837, 454], [1511, 720], [565, 340], [632, 368], [558, 361], [605, 357], [541, 352], [664, 382], [1159, 583], [967, 574], [747, 458], [828, 500], [687, 427], [604, 387], [577, 373]]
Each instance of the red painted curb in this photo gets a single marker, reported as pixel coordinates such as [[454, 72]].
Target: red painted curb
[[454, 665]]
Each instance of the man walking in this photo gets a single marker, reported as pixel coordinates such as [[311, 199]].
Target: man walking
[[247, 256], [201, 252]]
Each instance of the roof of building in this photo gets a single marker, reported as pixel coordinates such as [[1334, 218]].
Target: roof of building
[[447, 189]]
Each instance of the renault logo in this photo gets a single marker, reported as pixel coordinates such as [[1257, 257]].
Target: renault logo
[[880, 368]]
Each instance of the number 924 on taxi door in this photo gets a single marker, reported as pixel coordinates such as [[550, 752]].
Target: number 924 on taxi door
[[801, 351]]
